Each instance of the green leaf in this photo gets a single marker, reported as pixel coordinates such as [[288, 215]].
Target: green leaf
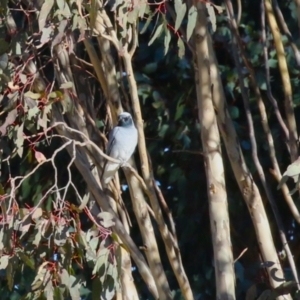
[[167, 40], [48, 289], [32, 95], [4, 46], [58, 293], [75, 285], [109, 289], [212, 16], [156, 34], [3, 61], [25, 225], [143, 8], [179, 110], [65, 278], [61, 234], [16, 46], [132, 16], [20, 140], [63, 8], [38, 212], [181, 48], [293, 169], [234, 112], [97, 288], [10, 275], [45, 10], [66, 85], [106, 219], [1, 239], [37, 236], [102, 260], [85, 200], [150, 68], [38, 280], [157, 104], [26, 259], [91, 233], [4, 262], [32, 112], [191, 23], [46, 34], [26, 187], [163, 130], [157, 96], [272, 63], [180, 9], [81, 239], [146, 25], [119, 260]]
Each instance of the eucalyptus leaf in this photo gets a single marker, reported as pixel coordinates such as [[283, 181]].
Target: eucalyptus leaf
[[167, 40], [106, 219], [156, 34], [191, 23], [45, 10], [180, 10]]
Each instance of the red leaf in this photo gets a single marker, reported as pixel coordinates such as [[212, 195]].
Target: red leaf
[[40, 157]]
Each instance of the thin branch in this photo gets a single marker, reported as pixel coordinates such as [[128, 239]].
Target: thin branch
[[286, 81], [267, 72], [134, 42]]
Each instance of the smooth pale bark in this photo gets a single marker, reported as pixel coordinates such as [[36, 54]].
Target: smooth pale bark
[[218, 206], [286, 81], [243, 176], [171, 245], [141, 212]]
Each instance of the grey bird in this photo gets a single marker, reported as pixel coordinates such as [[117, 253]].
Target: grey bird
[[121, 144]]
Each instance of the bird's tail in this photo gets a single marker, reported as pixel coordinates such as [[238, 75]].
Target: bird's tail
[[110, 170]]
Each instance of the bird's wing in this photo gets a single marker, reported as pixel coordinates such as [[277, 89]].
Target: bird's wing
[[112, 140], [110, 168]]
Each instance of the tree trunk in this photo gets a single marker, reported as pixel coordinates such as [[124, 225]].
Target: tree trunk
[[243, 176], [218, 206]]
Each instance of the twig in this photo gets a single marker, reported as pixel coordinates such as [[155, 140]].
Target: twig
[[241, 254], [167, 210], [134, 42], [188, 151]]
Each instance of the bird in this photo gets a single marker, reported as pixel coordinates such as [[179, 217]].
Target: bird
[[122, 142]]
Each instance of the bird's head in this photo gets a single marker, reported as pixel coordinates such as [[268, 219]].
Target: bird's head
[[125, 119]]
